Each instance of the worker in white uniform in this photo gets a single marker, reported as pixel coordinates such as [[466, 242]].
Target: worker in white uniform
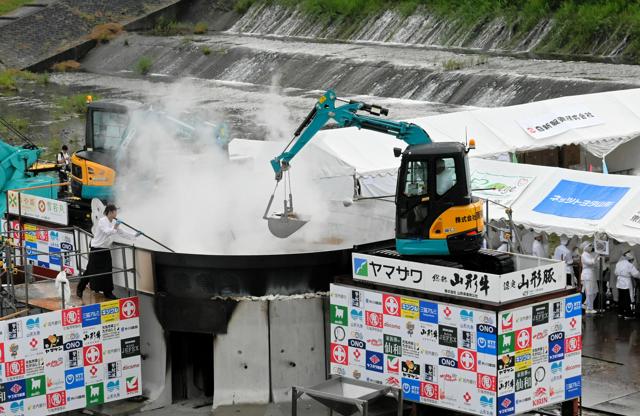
[[563, 253], [505, 242], [537, 249], [588, 277], [100, 266], [625, 270]]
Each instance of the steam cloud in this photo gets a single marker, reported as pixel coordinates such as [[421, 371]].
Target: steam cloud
[[191, 197]]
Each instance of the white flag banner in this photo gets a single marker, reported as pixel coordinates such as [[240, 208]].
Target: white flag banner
[[559, 121], [504, 189]]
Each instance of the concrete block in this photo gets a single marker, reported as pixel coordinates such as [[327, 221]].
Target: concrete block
[[241, 357], [297, 345]]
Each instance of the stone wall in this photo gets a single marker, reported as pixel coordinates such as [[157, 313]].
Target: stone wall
[[65, 25]]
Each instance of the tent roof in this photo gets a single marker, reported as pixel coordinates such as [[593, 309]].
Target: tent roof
[[610, 119], [545, 182]]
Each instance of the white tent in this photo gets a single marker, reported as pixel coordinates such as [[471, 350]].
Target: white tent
[[561, 201], [600, 122]]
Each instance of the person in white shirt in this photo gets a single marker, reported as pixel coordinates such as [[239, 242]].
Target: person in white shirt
[[588, 276], [563, 253], [505, 239], [537, 249], [625, 270], [99, 265]]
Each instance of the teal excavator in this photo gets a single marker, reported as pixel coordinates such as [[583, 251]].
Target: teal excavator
[[433, 193], [19, 169]]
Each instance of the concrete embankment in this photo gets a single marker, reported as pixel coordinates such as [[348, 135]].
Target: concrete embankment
[[62, 29]]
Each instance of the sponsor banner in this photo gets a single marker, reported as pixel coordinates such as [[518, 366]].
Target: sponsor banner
[[572, 199], [464, 359], [545, 342], [44, 247], [37, 207], [449, 282], [57, 362], [558, 121], [504, 189]]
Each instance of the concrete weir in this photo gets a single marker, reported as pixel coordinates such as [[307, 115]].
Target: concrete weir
[[231, 330]]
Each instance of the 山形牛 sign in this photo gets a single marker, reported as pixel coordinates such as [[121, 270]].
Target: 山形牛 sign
[[544, 278], [572, 199]]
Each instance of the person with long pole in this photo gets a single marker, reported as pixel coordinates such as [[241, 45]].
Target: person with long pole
[[100, 263]]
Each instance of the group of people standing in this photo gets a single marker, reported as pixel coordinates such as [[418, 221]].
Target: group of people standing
[[585, 265], [624, 272]]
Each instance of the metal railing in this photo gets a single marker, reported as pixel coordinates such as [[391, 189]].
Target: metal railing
[[19, 259]]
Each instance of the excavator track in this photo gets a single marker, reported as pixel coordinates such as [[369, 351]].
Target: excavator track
[[484, 261]]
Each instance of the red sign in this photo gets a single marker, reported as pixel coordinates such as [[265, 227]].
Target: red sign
[[339, 354], [573, 344], [92, 355], [393, 381], [523, 339], [391, 305], [506, 321], [373, 319], [132, 384], [42, 234], [429, 390], [71, 316], [57, 399], [129, 308], [1, 352], [486, 382], [14, 368], [393, 364], [467, 360]]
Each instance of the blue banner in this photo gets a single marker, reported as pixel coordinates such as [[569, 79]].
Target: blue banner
[[581, 200]]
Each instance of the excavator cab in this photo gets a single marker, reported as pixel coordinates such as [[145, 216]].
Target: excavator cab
[[435, 212], [93, 169]]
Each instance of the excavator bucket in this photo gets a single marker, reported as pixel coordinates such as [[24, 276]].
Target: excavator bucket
[[283, 226], [286, 223]]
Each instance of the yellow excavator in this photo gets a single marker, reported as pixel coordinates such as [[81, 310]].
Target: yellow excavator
[[109, 133]]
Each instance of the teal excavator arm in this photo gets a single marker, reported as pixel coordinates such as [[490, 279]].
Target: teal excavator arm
[[286, 223], [345, 116]]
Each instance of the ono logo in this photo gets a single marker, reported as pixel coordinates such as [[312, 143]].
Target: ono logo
[[448, 362], [356, 343], [72, 345], [487, 329], [556, 336]]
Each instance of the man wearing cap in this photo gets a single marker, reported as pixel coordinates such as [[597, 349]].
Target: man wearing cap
[[563, 253], [625, 270], [588, 276], [537, 249]]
